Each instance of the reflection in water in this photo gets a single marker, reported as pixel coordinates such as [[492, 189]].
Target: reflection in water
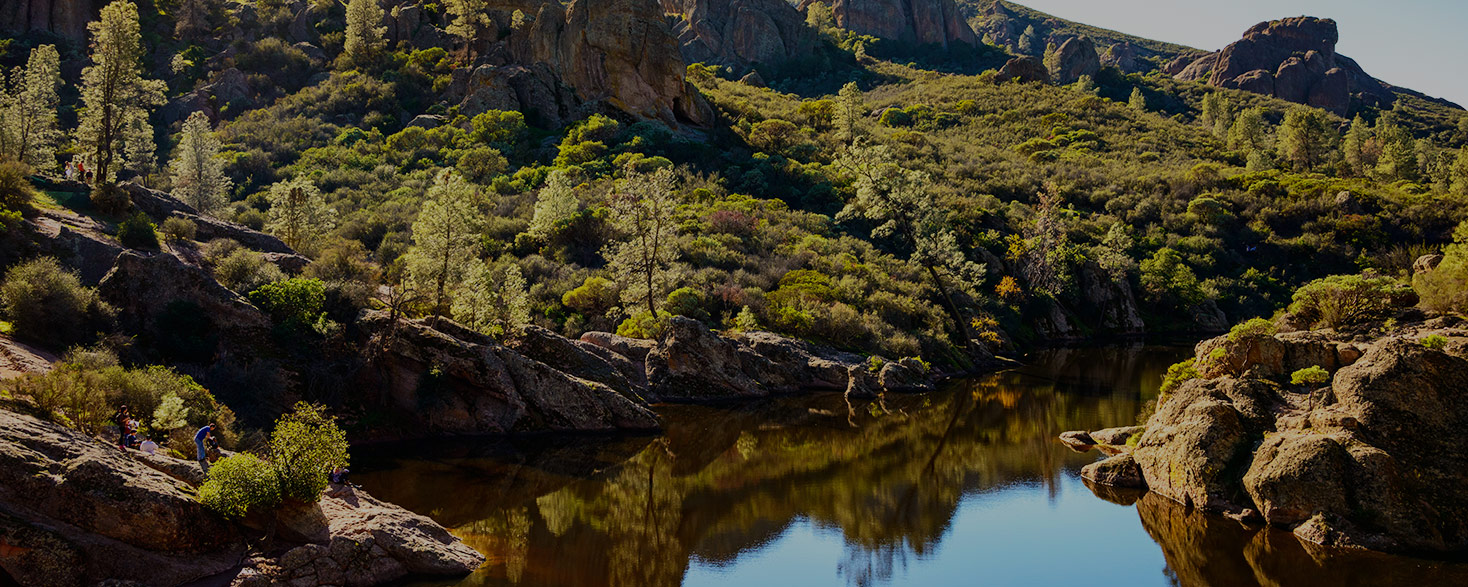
[[899, 488]]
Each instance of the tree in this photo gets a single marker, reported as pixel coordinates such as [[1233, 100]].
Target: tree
[[818, 17], [114, 130], [1458, 173], [363, 36], [1166, 277], [643, 207], [306, 445], [29, 111], [1354, 146], [1217, 113], [1306, 137], [192, 19], [494, 306], [471, 19], [1138, 101], [1029, 42], [1398, 158], [555, 203], [445, 239], [198, 172], [901, 204], [849, 112], [1250, 131], [298, 213]]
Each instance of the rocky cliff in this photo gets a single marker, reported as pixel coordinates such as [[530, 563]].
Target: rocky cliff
[[919, 22], [740, 34], [1367, 459], [1292, 59], [67, 18]]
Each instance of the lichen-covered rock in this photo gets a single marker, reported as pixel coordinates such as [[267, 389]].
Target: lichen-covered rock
[[1272, 356], [919, 22], [1118, 471], [582, 359], [905, 375], [1077, 439], [1116, 436], [1024, 69]]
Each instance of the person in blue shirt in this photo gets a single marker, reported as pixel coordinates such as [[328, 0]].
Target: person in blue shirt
[[205, 433]]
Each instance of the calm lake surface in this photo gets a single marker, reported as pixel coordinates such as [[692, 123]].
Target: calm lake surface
[[965, 486]]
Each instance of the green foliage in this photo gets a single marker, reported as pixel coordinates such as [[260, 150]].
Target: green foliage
[[179, 230], [1177, 374], [1166, 277], [16, 192], [1434, 342], [240, 269], [1343, 300], [1445, 288], [138, 232], [48, 304], [239, 484], [482, 164], [1253, 327], [593, 297], [83, 389], [1312, 375], [686, 301], [644, 325], [296, 302], [500, 129], [306, 445]]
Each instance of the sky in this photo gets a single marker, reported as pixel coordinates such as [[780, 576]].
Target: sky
[[1418, 44]]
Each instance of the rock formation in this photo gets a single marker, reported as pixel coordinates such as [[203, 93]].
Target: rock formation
[[1024, 69], [1072, 59], [67, 18], [919, 22], [161, 205], [740, 34], [1369, 459], [1292, 59]]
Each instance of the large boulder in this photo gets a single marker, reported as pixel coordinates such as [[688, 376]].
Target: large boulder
[[144, 285], [582, 359], [741, 33], [1074, 58], [1024, 69], [1109, 302], [1272, 356], [919, 22], [77, 241], [1118, 471], [74, 510], [447, 380], [693, 363]]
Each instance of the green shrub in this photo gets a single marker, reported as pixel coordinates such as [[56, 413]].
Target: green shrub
[[179, 229], [1343, 300], [16, 192], [1177, 374], [1312, 375], [1445, 288], [305, 445], [1252, 328], [1434, 342], [110, 199], [593, 297], [239, 484], [67, 396], [244, 270], [297, 302], [686, 301], [49, 305], [482, 164], [138, 232], [644, 325]]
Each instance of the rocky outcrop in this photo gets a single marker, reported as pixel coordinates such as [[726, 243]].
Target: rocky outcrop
[[919, 22], [1371, 460], [77, 241], [584, 360], [1024, 69], [692, 363], [1072, 59], [741, 34], [67, 18], [76, 511], [18, 358], [447, 380], [354, 539], [144, 285], [1292, 59], [1109, 303], [1117, 471], [161, 205]]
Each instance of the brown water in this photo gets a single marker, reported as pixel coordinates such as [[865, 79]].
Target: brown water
[[963, 486]]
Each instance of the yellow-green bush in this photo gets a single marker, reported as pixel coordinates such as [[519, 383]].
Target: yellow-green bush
[[239, 484]]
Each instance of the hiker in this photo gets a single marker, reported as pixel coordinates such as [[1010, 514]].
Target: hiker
[[148, 446], [81, 170], [123, 418], [70, 170], [205, 433], [339, 476]]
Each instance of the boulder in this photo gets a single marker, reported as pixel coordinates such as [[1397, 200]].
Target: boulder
[[1025, 69], [741, 33], [1123, 56], [692, 363], [635, 349], [1109, 302], [78, 242], [1259, 81], [582, 359], [312, 52], [160, 205], [143, 285], [1272, 357], [907, 375], [65, 18], [427, 121], [787, 365], [753, 79], [1077, 439], [1115, 436], [74, 510], [622, 52], [1074, 58], [18, 359], [1293, 59], [1426, 263], [447, 380], [1118, 471]]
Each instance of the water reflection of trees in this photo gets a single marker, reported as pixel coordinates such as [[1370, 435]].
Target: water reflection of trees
[[723, 481]]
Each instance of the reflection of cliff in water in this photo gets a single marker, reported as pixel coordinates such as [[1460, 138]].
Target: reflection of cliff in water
[[724, 481], [1205, 550]]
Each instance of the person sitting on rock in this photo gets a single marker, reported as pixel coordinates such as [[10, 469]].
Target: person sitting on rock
[[339, 480], [205, 433], [148, 446]]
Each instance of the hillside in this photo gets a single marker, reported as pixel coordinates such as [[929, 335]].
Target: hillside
[[1004, 23]]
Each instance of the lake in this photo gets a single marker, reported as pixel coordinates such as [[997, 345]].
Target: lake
[[967, 485]]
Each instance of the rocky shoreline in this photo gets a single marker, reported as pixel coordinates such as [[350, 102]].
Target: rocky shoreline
[[1369, 458]]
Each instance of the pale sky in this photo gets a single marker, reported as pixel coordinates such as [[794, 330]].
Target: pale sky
[[1419, 44]]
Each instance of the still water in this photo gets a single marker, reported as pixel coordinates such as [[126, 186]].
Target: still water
[[965, 486]]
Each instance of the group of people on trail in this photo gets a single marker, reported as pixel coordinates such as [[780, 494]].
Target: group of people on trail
[[76, 170], [127, 427]]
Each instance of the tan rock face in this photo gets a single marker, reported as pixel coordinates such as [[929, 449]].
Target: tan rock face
[[1024, 69], [1074, 58], [740, 33], [922, 22]]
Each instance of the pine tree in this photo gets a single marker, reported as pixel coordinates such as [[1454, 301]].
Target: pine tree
[[497, 307], [1353, 148], [1250, 131], [198, 172], [471, 18], [363, 36], [849, 112], [1398, 158], [29, 116], [1306, 137], [114, 130], [445, 238], [556, 203], [298, 213], [1217, 114], [1138, 100], [643, 207], [901, 204], [1458, 173], [1029, 42]]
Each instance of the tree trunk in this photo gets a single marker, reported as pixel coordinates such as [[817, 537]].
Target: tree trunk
[[963, 327]]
